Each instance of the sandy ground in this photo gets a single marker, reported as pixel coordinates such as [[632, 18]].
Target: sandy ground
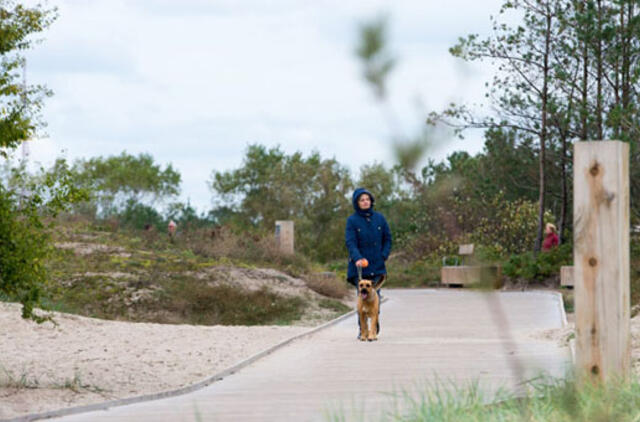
[[563, 336], [84, 360]]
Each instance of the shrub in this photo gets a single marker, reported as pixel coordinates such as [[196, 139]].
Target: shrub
[[230, 305], [419, 273], [510, 227], [23, 248], [138, 216], [24, 243], [248, 247], [531, 267]]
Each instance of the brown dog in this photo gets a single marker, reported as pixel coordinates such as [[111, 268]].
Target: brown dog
[[368, 308]]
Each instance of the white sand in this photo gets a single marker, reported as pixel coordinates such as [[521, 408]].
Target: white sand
[[563, 335], [86, 360]]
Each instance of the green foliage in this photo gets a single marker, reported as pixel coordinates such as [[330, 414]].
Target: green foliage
[[117, 181], [230, 305], [272, 185], [140, 216], [565, 70], [412, 273], [23, 247], [187, 218], [377, 178], [530, 267], [334, 305], [142, 276], [372, 50], [23, 201], [19, 104], [508, 226], [24, 243]]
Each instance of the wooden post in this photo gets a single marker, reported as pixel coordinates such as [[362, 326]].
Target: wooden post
[[601, 260], [285, 236]]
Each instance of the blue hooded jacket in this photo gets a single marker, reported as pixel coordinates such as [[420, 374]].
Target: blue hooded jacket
[[367, 236]]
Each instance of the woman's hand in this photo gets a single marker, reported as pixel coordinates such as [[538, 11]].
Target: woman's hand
[[362, 263]]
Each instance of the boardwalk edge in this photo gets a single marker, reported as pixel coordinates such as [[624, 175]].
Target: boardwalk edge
[[179, 391]]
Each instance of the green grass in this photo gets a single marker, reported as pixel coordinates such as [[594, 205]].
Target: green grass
[[334, 305], [230, 305], [412, 274], [555, 400]]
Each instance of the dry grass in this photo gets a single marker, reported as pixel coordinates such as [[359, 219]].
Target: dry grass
[[162, 282], [256, 249], [327, 284]]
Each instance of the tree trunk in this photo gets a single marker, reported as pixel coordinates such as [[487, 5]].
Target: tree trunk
[[543, 131], [584, 108], [626, 68], [564, 191], [599, 75]]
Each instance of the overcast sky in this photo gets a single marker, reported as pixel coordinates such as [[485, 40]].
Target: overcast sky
[[194, 82]]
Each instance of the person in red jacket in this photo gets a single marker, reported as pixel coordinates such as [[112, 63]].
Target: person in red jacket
[[551, 239]]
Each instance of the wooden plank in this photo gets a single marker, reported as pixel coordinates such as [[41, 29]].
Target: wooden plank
[[428, 339], [601, 260], [566, 276]]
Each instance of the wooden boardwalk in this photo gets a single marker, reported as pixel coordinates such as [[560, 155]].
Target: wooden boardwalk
[[427, 337]]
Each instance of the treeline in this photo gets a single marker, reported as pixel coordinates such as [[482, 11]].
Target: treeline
[[488, 198], [566, 71]]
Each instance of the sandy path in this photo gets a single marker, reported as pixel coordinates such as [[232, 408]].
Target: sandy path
[[86, 360]]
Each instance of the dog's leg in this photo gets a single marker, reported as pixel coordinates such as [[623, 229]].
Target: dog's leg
[[372, 331], [363, 326], [374, 321]]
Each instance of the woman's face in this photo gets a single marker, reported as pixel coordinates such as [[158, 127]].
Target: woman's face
[[364, 202]]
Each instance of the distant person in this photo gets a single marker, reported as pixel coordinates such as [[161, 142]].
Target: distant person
[[368, 240], [551, 239], [172, 228]]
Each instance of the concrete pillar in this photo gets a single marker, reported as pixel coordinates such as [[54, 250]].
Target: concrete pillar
[[284, 236]]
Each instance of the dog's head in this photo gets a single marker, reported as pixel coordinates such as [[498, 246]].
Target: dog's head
[[366, 289]]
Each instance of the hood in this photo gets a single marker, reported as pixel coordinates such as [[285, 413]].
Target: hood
[[354, 201]]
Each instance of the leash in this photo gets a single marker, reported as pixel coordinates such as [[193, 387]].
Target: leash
[[359, 273]]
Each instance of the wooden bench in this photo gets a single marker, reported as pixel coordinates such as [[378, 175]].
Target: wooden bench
[[462, 275]]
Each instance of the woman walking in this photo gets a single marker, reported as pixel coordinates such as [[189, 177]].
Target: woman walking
[[368, 240]]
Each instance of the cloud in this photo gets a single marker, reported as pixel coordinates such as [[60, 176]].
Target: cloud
[[194, 82]]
